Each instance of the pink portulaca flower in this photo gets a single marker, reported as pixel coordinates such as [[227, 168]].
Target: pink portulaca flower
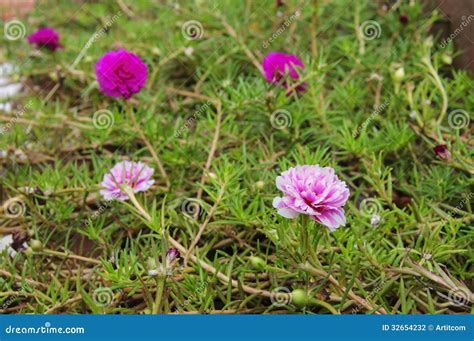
[[314, 191], [280, 67], [135, 175], [45, 37], [442, 152], [120, 74]]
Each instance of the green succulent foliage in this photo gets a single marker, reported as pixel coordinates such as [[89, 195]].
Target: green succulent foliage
[[409, 215]]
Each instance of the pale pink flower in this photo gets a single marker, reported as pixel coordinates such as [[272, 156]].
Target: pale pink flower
[[136, 175], [314, 191]]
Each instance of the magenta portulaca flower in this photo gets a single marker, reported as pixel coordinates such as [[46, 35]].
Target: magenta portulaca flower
[[442, 152], [135, 175], [280, 67], [172, 254], [120, 74], [315, 191], [45, 37]]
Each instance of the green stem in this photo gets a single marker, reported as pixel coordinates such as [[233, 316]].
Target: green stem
[[70, 255], [439, 84], [129, 192], [160, 282], [304, 236], [314, 301]]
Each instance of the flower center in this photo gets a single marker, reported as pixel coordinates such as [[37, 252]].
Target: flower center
[[123, 73]]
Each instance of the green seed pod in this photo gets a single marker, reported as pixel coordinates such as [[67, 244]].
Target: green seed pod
[[36, 245], [428, 42], [399, 74], [257, 263], [151, 264], [53, 76], [447, 59], [28, 252], [299, 297]]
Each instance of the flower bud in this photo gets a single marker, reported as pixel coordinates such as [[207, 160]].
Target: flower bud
[[442, 152], [153, 272], [257, 263], [299, 297], [375, 220], [36, 245], [260, 184], [172, 254], [447, 59], [428, 42], [28, 251], [53, 76], [212, 175], [151, 264], [399, 74]]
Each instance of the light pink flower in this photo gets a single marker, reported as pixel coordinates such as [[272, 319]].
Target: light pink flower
[[314, 191], [134, 174]]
